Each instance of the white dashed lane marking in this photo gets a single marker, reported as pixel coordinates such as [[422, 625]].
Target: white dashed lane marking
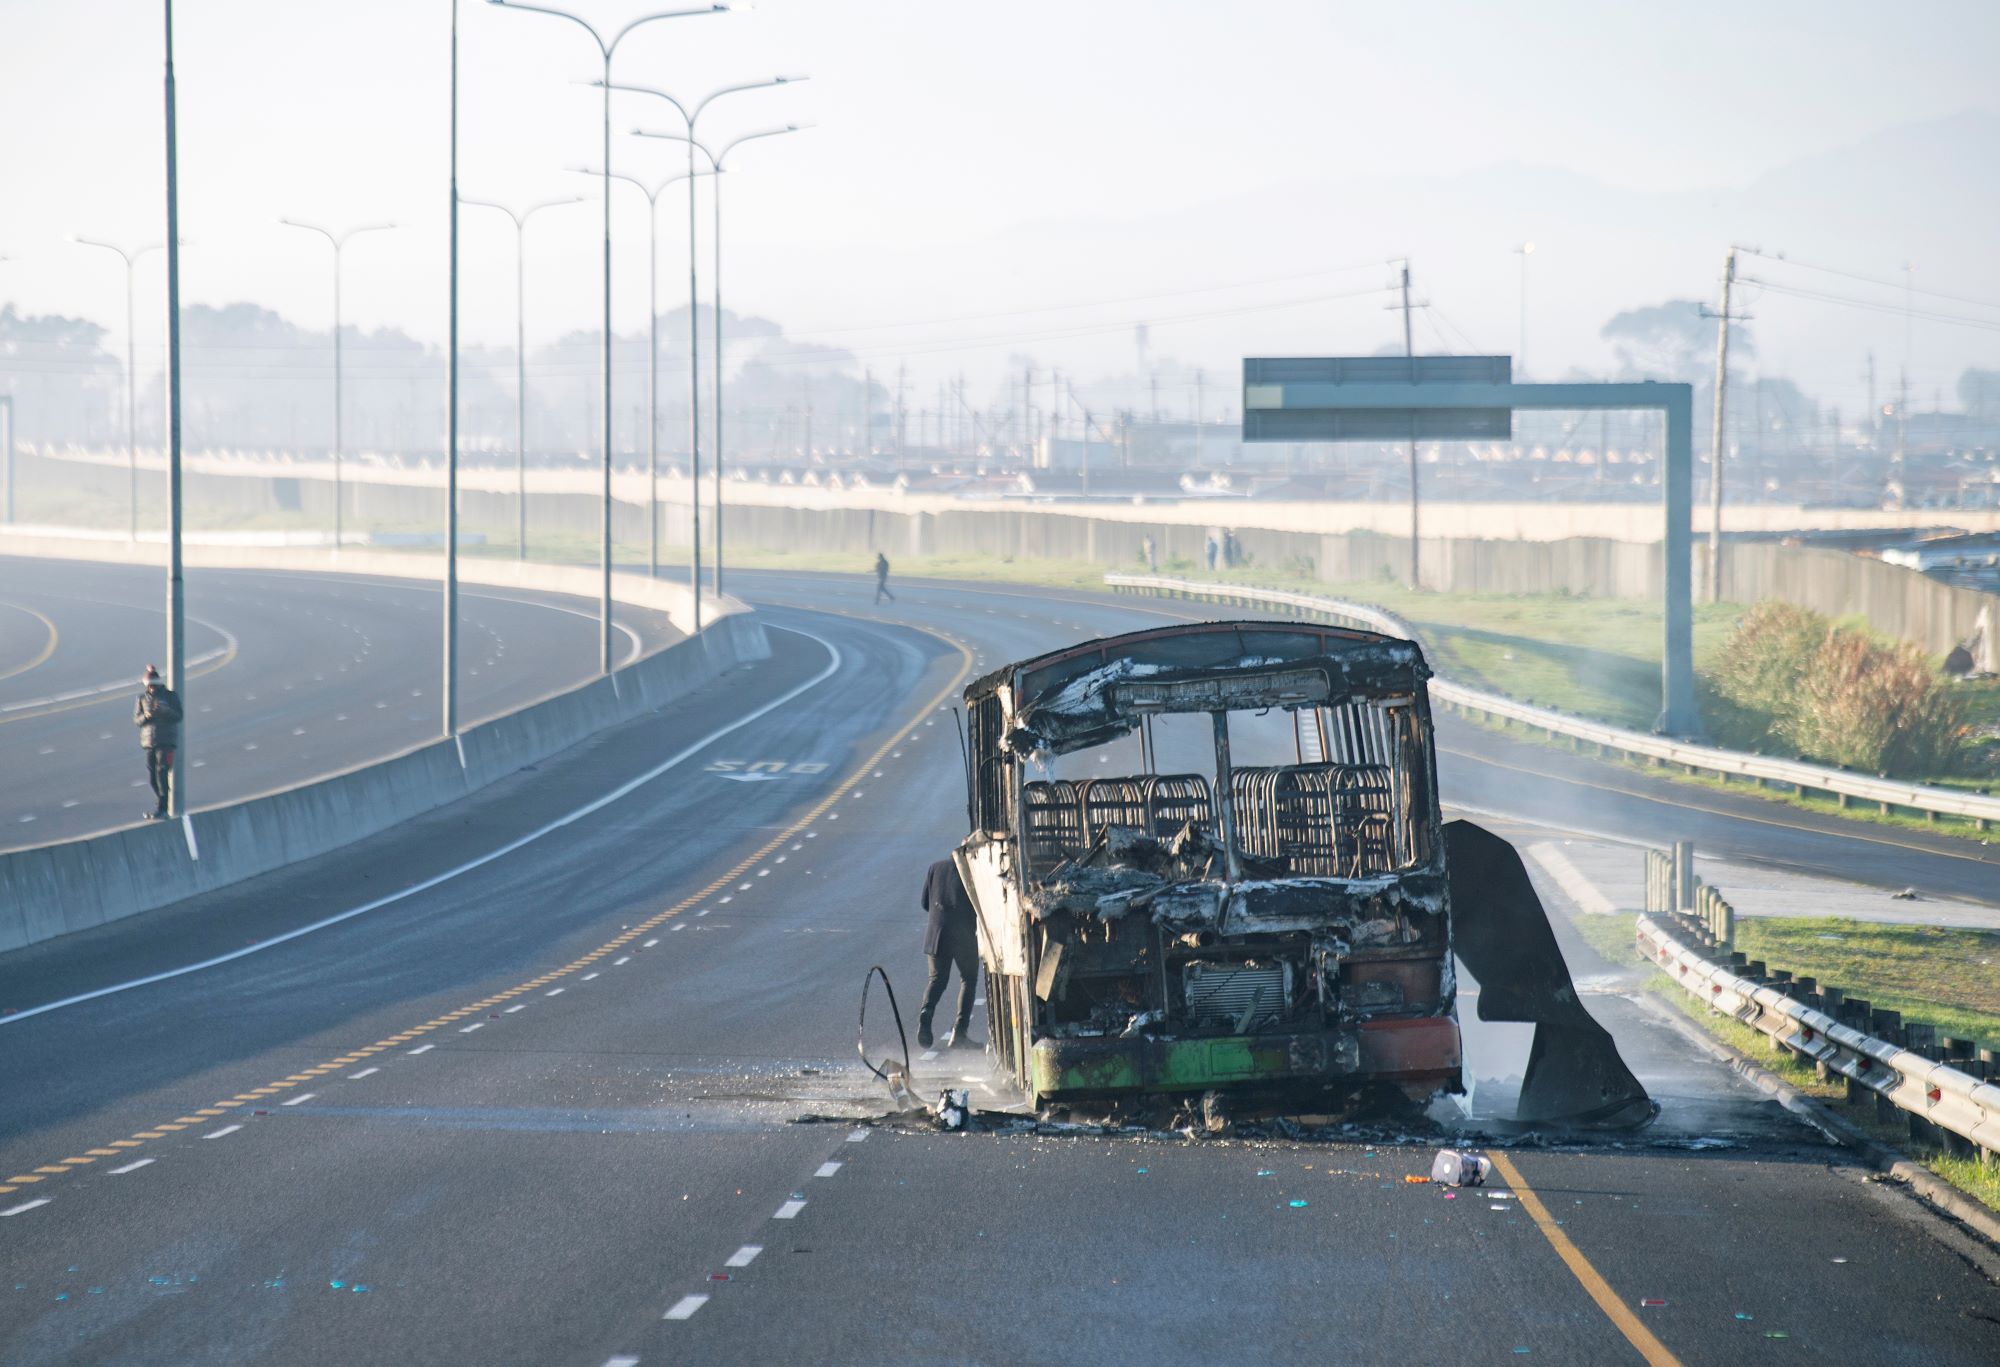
[[518, 1006], [226, 1129], [827, 1169], [744, 1256], [468, 1029], [625, 960], [554, 992], [365, 1072], [423, 1048], [649, 944], [789, 1211], [130, 1167], [621, 1362], [859, 1136], [302, 1096], [588, 976], [685, 1307], [24, 1206]]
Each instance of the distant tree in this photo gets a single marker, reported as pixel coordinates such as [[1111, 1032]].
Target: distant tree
[[1670, 341], [1979, 391]]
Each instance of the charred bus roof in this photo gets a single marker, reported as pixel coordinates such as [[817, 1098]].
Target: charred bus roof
[[1088, 694]]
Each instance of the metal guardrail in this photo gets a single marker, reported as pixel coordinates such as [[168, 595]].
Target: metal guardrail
[[1843, 785], [1930, 1091]]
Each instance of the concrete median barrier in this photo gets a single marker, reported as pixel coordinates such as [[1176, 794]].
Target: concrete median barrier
[[60, 889]]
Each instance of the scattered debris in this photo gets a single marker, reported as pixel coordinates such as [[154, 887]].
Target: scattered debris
[[1456, 1169], [1906, 895], [951, 1111]]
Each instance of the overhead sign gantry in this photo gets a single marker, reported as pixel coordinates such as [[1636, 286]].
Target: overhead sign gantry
[[1391, 398]]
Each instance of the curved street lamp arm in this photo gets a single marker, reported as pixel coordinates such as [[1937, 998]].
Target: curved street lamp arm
[[760, 133], [489, 204], [675, 137], [130, 256], [619, 37], [715, 95], [647, 90], [576, 19]]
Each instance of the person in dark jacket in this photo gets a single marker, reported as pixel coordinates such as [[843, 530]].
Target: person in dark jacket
[[951, 939], [882, 578], [157, 714]]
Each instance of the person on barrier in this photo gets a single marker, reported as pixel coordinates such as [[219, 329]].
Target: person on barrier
[[951, 939], [157, 714]]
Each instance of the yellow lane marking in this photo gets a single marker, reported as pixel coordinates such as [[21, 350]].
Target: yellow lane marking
[[24, 1178], [1859, 834], [102, 1153], [757, 856], [48, 648], [51, 1169], [77, 1162], [124, 1143], [1637, 1334]]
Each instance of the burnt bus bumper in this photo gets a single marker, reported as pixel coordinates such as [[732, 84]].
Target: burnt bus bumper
[[1398, 1051]]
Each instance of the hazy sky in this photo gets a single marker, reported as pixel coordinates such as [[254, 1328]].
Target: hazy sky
[[944, 126]]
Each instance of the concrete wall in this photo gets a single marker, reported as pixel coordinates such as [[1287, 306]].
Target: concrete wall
[[57, 889]]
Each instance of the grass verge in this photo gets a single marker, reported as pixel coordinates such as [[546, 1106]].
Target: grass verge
[[1612, 937]]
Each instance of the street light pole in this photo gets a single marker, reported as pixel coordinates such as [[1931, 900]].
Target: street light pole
[[338, 241], [607, 49], [130, 258], [716, 161], [652, 356], [1524, 251], [521, 357], [691, 117], [176, 610]]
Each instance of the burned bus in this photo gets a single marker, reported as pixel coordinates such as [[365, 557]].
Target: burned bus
[[1208, 860]]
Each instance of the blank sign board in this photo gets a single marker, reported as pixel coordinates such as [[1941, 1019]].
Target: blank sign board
[[1296, 398]]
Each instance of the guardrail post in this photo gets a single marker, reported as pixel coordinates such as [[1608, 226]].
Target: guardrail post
[[1684, 880]]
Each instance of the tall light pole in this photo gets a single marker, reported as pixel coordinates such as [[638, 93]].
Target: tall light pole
[[652, 353], [338, 241], [176, 610], [607, 48], [716, 162], [521, 357], [1524, 251], [130, 258], [448, 719], [691, 117]]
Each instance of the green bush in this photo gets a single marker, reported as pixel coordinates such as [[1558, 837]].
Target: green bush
[[1834, 694]]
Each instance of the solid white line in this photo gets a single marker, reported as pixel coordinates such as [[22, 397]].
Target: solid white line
[[590, 808], [476, 1025], [226, 1129], [789, 1211], [423, 1049], [827, 1169], [365, 1072], [685, 1307], [302, 1096], [744, 1256], [25, 1205]]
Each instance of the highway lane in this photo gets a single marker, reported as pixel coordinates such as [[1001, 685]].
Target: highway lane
[[538, 1116], [293, 676]]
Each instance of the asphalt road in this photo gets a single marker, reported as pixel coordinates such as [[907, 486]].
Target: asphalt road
[[543, 1107], [292, 676]]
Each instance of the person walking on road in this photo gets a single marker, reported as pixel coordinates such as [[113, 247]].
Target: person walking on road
[[951, 939], [882, 578], [157, 714]]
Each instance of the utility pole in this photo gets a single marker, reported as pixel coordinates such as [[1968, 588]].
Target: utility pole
[[1715, 433], [176, 588], [902, 414], [1410, 351], [868, 412], [449, 717], [1199, 380]]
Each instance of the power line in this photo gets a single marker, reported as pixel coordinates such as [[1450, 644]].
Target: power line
[[1875, 305], [1871, 280]]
